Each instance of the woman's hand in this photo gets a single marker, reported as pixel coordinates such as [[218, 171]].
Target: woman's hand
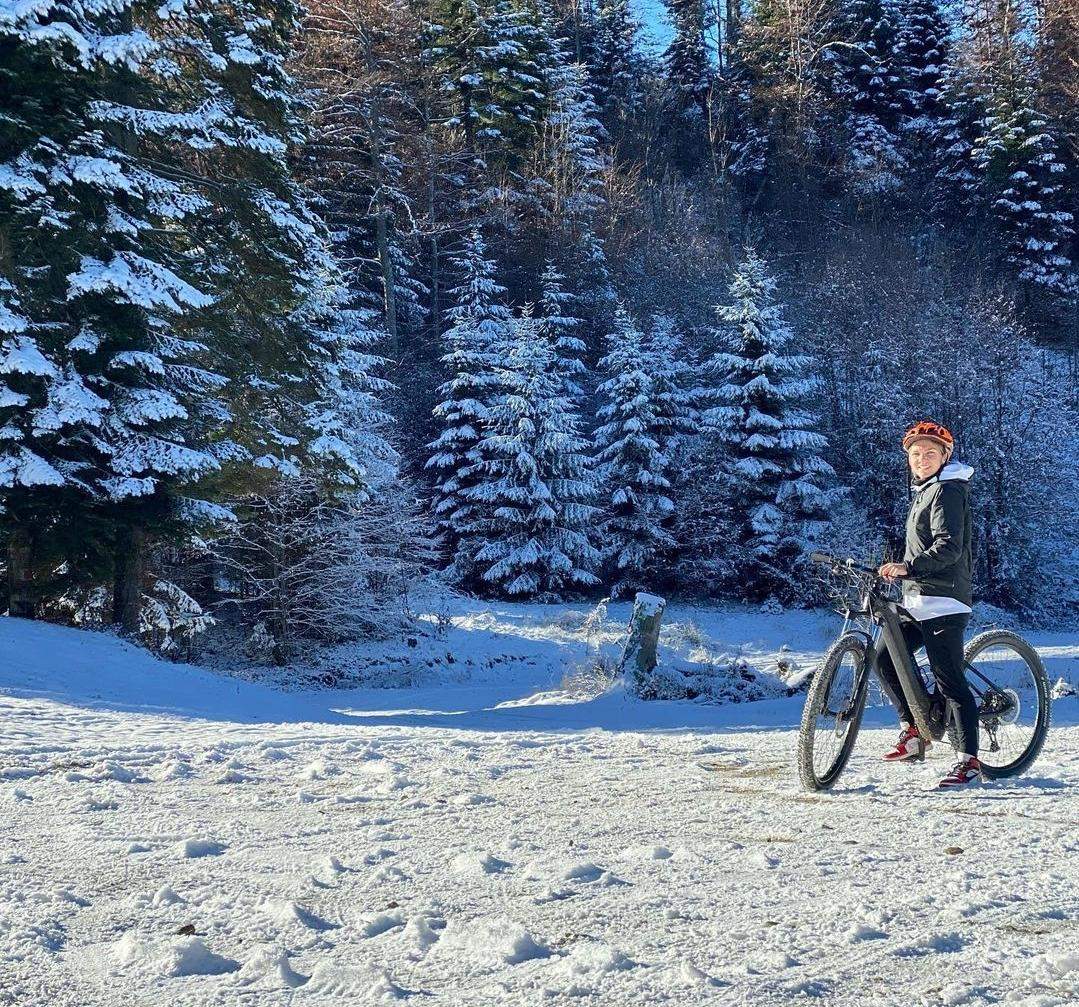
[[893, 571]]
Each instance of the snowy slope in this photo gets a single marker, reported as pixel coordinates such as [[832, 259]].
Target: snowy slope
[[171, 836]]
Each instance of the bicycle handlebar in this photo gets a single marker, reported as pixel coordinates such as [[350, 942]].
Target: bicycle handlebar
[[835, 561]]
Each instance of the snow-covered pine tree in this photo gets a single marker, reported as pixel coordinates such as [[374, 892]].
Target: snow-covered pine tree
[[536, 488], [559, 325], [346, 427], [675, 387], [764, 416], [632, 464], [476, 343], [572, 163], [921, 52], [616, 66], [866, 79], [157, 237], [107, 408], [686, 63], [490, 55], [957, 191], [1021, 163]]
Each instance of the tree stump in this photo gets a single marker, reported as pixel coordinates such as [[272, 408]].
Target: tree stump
[[20, 572], [639, 656]]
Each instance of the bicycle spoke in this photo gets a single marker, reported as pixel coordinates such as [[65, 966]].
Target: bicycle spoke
[[833, 722], [1010, 705]]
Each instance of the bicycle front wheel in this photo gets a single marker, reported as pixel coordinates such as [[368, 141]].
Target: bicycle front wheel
[[832, 714], [1014, 701]]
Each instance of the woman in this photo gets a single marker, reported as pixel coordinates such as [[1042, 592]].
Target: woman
[[936, 594]]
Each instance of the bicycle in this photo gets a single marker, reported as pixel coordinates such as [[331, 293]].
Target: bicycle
[[1004, 671]]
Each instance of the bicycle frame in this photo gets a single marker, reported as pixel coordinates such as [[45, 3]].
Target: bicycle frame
[[886, 614], [887, 633]]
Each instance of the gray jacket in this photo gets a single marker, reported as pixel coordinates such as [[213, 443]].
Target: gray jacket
[[938, 548]]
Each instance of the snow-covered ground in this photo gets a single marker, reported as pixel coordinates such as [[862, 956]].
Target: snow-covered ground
[[502, 834]]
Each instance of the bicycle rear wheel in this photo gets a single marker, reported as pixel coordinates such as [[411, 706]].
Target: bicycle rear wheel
[[1014, 701], [833, 713]]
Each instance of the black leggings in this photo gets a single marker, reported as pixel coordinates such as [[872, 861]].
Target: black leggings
[[943, 641]]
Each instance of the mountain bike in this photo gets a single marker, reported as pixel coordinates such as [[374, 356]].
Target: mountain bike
[[1004, 671]]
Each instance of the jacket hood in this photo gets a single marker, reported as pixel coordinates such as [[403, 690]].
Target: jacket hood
[[952, 472], [955, 470]]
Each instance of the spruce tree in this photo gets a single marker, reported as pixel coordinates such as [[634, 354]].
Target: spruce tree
[[921, 53], [765, 418], [686, 62], [1021, 162], [559, 325], [490, 56], [616, 66], [535, 490], [957, 190], [632, 464], [475, 345], [160, 257], [108, 408], [866, 83], [573, 166]]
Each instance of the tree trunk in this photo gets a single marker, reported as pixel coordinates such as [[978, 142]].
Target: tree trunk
[[21, 601], [639, 656], [127, 580], [388, 281]]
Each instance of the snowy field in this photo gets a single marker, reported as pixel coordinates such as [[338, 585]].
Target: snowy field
[[500, 834]]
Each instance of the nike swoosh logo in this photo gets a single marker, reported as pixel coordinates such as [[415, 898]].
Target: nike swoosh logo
[[937, 632]]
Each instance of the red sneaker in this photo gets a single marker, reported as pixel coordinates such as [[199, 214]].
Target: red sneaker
[[910, 747], [965, 771]]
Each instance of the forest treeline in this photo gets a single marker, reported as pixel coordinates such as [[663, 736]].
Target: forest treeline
[[300, 304]]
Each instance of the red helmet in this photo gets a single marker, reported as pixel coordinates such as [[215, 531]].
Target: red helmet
[[934, 432]]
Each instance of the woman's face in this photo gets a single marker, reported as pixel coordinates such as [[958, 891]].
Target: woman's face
[[925, 458]]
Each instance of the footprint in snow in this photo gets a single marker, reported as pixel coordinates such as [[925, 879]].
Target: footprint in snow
[[388, 874], [268, 968], [479, 862], [233, 776], [67, 895], [590, 958], [192, 848], [172, 958], [376, 924], [423, 931], [578, 871], [774, 961], [165, 896], [319, 770], [288, 914], [690, 975], [332, 866], [646, 853], [864, 932], [272, 753], [490, 942], [938, 944], [467, 800], [175, 769], [360, 984]]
